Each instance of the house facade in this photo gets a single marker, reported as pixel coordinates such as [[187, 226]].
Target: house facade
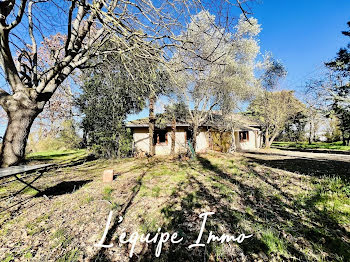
[[247, 137]]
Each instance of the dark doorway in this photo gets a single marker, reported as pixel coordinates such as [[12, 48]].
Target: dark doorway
[[189, 135]]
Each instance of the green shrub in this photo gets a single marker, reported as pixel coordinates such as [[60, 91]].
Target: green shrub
[[66, 138]]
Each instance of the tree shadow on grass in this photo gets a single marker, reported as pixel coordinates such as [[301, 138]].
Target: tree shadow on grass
[[297, 228], [190, 199], [311, 228], [318, 228], [65, 187], [50, 157], [101, 254], [307, 166]]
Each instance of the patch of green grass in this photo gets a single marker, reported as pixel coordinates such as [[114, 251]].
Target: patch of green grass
[[28, 255], [61, 237], [331, 197], [273, 243], [249, 211], [34, 227], [107, 193], [58, 155], [30, 191], [224, 190], [116, 206], [150, 225], [89, 199], [218, 251], [316, 145], [155, 191], [8, 258], [192, 201], [70, 256]]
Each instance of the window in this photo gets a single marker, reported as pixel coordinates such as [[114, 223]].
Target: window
[[160, 137], [243, 136]]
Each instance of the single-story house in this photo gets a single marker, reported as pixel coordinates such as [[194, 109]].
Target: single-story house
[[247, 136]]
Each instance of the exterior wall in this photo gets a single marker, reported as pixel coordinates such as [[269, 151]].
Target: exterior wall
[[259, 139], [141, 141], [252, 143], [180, 140], [202, 140]]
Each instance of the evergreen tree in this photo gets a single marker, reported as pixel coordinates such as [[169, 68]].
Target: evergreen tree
[[110, 92], [340, 89]]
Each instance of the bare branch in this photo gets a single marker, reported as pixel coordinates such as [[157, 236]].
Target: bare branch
[[69, 31], [5, 9], [7, 63], [19, 16], [34, 45], [3, 96]]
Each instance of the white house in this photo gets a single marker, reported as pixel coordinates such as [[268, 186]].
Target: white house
[[247, 136]]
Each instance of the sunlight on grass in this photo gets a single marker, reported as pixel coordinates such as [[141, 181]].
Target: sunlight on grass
[[58, 155], [291, 216], [273, 242], [316, 145]]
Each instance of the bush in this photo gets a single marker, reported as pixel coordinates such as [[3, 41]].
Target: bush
[[67, 138], [109, 145]]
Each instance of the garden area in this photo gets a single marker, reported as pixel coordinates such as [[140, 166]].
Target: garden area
[[298, 214]]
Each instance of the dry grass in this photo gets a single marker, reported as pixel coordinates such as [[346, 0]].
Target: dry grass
[[291, 216]]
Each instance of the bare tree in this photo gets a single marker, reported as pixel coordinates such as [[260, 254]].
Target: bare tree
[[143, 27], [32, 84]]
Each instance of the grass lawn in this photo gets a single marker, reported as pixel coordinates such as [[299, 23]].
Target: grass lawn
[[316, 145], [292, 216], [57, 156]]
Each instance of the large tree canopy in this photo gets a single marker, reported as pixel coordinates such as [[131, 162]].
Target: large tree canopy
[[215, 70], [110, 92], [81, 28], [274, 110]]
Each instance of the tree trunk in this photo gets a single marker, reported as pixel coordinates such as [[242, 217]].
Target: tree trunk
[[269, 141], [233, 142], [267, 144], [194, 139], [310, 134], [16, 135], [151, 125], [173, 136]]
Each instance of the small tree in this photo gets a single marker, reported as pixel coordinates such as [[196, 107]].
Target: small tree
[[294, 129], [159, 86], [274, 109]]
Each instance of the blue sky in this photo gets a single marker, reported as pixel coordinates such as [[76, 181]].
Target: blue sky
[[301, 33]]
